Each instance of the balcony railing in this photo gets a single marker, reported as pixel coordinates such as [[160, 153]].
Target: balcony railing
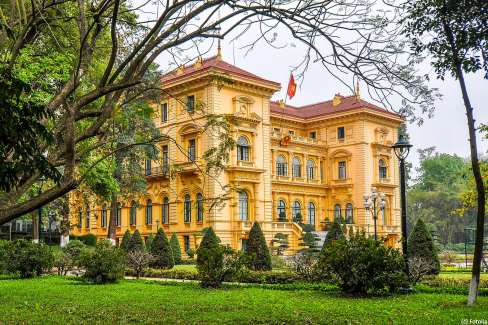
[[158, 171]]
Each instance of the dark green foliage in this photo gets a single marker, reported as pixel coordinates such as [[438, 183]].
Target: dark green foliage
[[335, 232], [88, 239], [28, 259], [104, 264], [135, 243], [257, 250], [421, 245], [125, 240], [361, 265], [161, 251], [149, 242], [210, 260], [280, 243], [4, 249], [309, 242], [298, 218], [191, 253], [175, 248]]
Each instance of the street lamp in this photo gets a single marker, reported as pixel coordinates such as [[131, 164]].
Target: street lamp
[[402, 148], [374, 202]]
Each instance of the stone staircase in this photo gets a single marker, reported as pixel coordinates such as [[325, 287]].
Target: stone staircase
[[321, 235]]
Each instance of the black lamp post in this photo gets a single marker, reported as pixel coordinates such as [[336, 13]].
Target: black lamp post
[[402, 148]]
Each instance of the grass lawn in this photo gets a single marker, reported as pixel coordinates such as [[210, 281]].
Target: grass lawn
[[60, 300]]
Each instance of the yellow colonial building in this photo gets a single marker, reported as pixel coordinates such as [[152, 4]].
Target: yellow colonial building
[[316, 161]]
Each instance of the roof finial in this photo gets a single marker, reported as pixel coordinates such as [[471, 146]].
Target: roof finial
[[356, 92], [219, 50]]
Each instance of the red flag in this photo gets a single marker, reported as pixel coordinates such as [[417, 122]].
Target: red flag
[[292, 87]]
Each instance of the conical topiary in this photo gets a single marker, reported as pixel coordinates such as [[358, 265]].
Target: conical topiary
[[175, 248], [161, 251], [257, 250], [125, 240], [149, 242], [210, 260], [421, 245], [335, 232], [135, 242]]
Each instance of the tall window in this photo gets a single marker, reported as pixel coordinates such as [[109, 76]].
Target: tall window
[[186, 241], [349, 213], [310, 169], [311, 213], [165, 212], [383, 170], [243, 206], [165, 159], [164, 112], [118, 215], [192, 149], [297, 211], [190, 104], [297, 167], [337, 212], [342, 170], [187, 209], [80, 218], [104, 217], [281, 166], [133, 213], [281, 210], [87, 218], [148, 167], [199, 207], [242, 149], [149, 208], [341, 134]]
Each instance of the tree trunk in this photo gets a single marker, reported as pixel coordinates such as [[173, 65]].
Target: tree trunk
[[475, 165], [112, 231]]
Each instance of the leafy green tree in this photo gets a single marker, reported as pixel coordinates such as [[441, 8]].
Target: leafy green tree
[[135, 243], [454, 34], [257, 250], [335, 233], [125, 241], [175, 248], [149, 242], [161, 251], [421, 245], [210, 260]]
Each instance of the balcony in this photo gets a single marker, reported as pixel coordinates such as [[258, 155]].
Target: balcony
[[296, 138], [158, 172]]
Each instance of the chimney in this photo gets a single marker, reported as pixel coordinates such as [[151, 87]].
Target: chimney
[[336, 100]]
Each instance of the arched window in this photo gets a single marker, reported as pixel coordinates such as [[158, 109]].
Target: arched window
[[148, 167], [243, 206], [311, 213], [310, 169], [118, 216], [149, 208], [103, 222], [187, 209], [281, 210], [296, 211], [165, 212], [383, 169], [80, 218], [199, 207], [297, 167], [87, 217], [243, 149], [337, 212], [133, 213], [349, 213], [281, 166]]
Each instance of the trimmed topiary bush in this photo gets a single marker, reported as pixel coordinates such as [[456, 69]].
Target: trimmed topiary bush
[[29, 259], [421, 247], [334, 233], [149, 242], [175, 248], [161, 251], [135, 243], [210, 260], [362, 265], [125, 240], [257, 250], [104, 264]]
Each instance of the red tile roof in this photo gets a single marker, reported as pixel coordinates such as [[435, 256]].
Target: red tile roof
[[326, 108], [213, 63]]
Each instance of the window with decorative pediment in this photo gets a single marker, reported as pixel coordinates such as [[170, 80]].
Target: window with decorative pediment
[[243, 149]]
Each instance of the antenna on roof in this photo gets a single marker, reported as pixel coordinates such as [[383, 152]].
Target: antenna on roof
[[356, 92]]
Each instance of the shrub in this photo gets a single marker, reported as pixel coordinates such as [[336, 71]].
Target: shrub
[[234, 264], [363, 265], [257, 250], [278, 262], [304, 264], [191, 253], [124, 244], [138, 261], [62, 261], [74, 249], [29, 259], [335, 232], [105, 263], [161, 251], [68, 257], [210, 260], [268, 277], [135, 243], [175, 248], [421, 245], [280, 244], [4, 252], [149, 242]]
